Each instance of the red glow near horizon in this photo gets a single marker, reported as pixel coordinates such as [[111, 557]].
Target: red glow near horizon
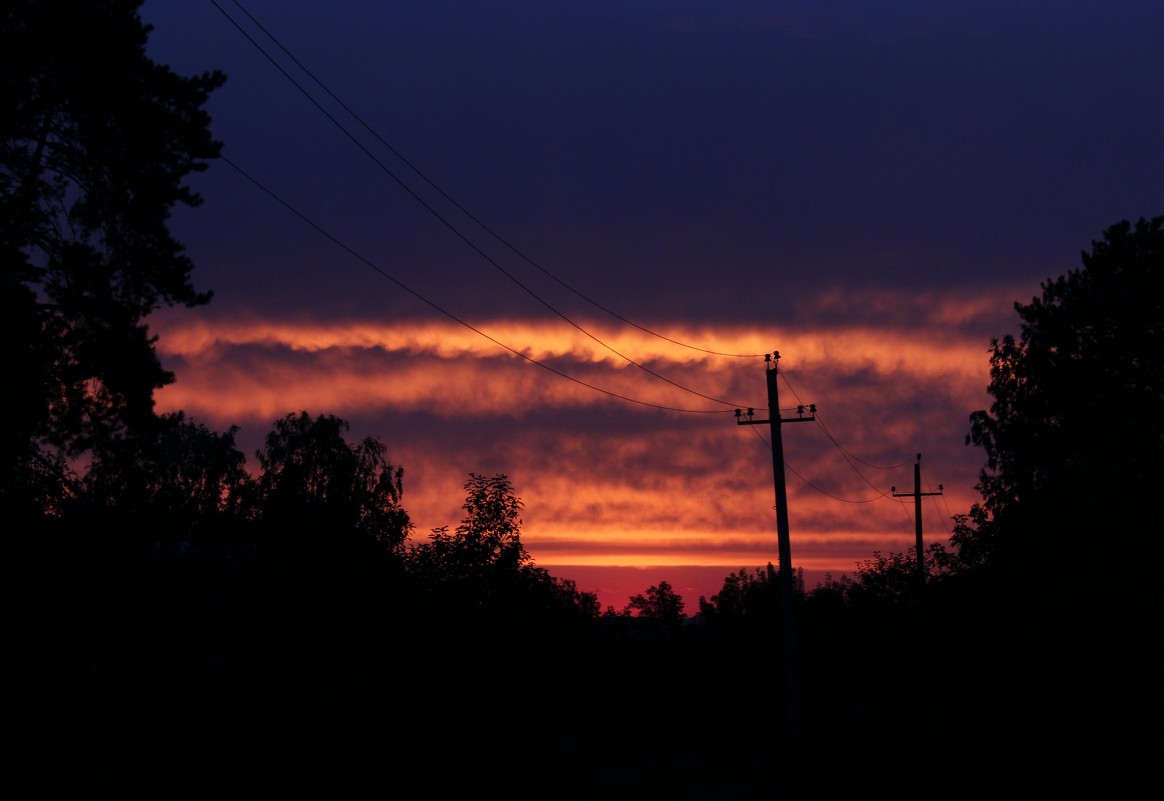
[[607, 484]]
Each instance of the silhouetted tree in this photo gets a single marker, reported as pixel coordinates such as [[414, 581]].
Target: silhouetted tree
[[971, 544], [191, 484], [199, 469], [95, 143], [888, 577], [490, 532], [485, 549], [569, 597], [830, 595], [659, 604], [1079, 395], [744, 598], [1074, 440], [317, 490]]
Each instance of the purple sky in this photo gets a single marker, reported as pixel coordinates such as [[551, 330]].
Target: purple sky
[[865, 187]]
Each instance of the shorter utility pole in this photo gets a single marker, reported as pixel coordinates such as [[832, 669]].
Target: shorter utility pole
[[917, 516], [787, 587]]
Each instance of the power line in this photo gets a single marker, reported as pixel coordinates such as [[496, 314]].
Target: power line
[[929, 488], [447, 313], [430, 208], [850, 455], [453, 201], [829, 494], [814, 486], [845, 455]]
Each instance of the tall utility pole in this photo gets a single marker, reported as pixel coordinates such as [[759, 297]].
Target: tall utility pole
[[787, 587], [917, 516]]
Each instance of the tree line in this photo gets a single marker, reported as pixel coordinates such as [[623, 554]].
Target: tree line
[[177, 627]]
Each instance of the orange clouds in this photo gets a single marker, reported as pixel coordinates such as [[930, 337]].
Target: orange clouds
[[608, 480]]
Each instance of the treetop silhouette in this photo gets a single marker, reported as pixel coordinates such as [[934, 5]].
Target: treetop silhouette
[[1074, 438], [96, 143]]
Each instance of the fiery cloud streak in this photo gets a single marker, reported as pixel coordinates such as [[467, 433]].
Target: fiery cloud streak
[[608, 482]]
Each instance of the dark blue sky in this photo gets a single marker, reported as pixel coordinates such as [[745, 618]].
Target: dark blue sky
[[653, 152], [866, 187]]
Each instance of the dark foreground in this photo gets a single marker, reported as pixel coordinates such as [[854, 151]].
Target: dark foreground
[[187, 680]]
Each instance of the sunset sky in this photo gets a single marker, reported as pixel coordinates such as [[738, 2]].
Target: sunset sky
[[555, 239]]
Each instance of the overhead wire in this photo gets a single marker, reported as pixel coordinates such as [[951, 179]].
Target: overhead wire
[[831, 495], [444, 311], [849, 458], [929, 489], [814, 486], [461, 208], [849, 455], [949, 514], [428, 207]]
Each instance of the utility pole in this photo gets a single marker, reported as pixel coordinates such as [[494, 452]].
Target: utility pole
[[917, 516], [787, 588]]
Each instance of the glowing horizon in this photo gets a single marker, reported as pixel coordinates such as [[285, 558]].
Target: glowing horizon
[[608, 483], [876, 232]]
